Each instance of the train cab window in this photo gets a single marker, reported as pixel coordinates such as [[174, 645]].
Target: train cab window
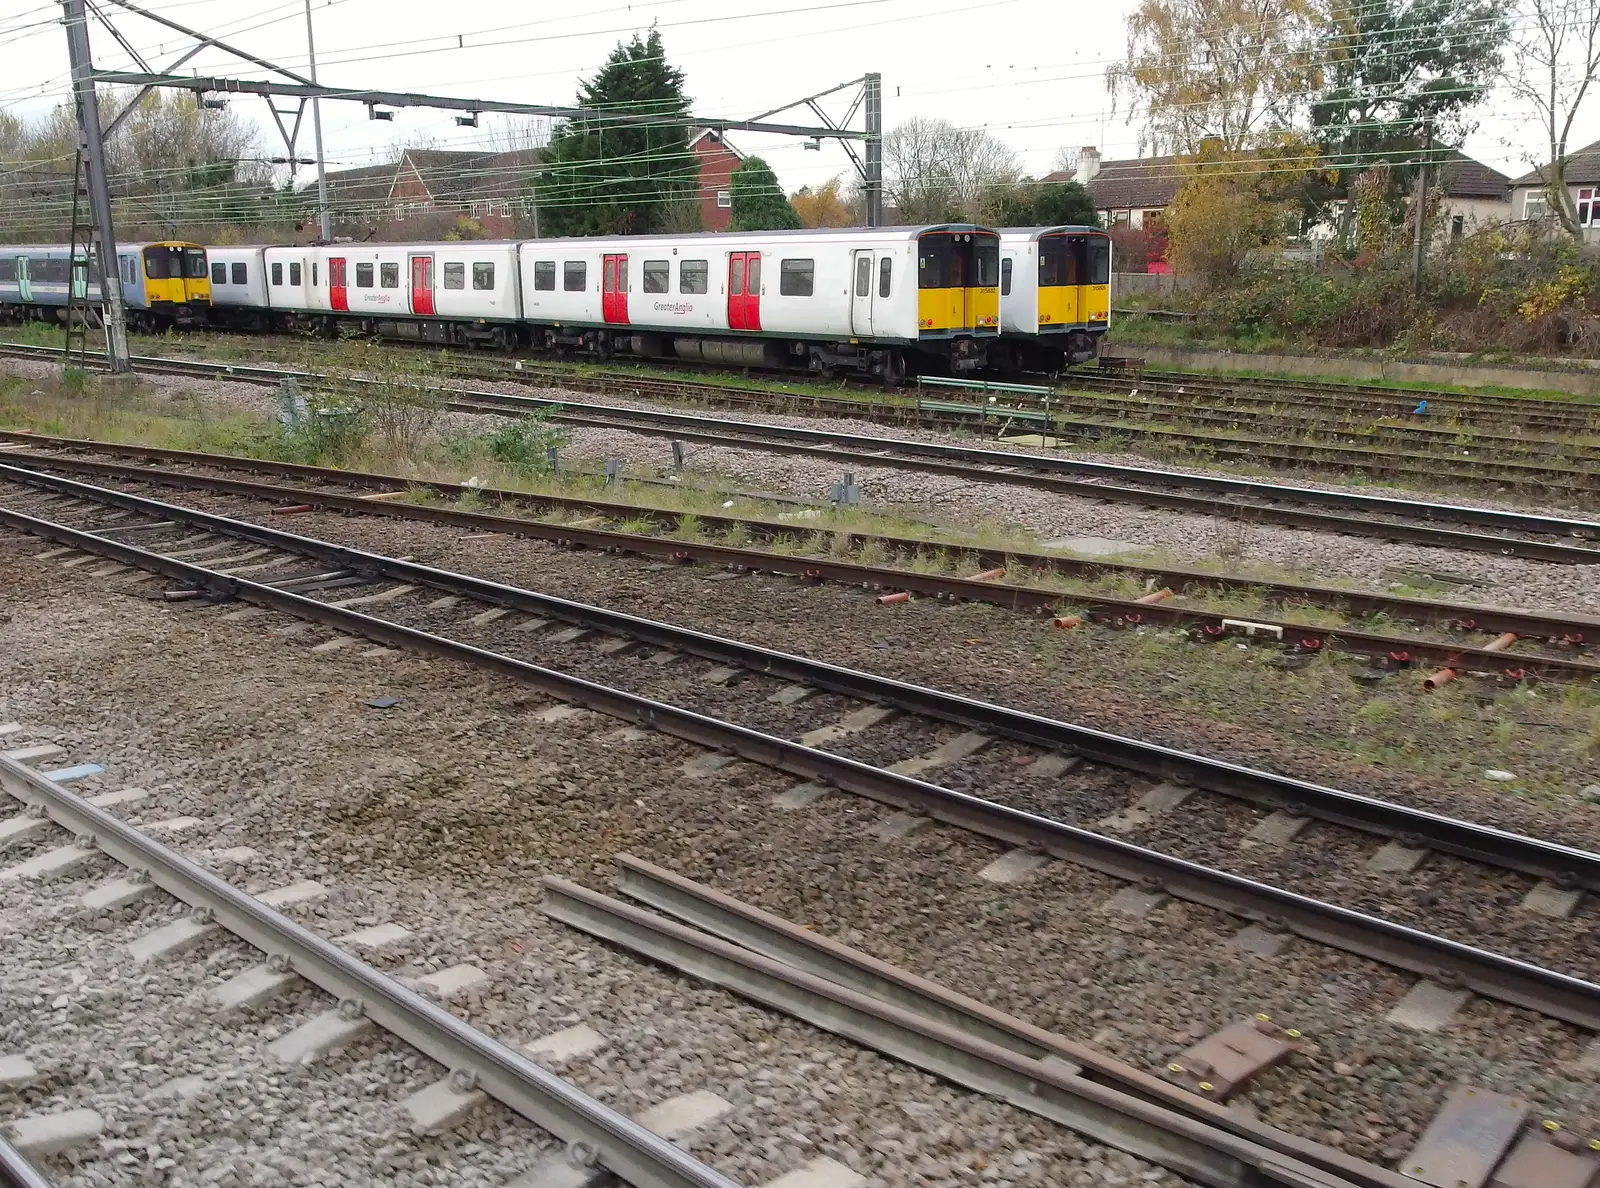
[[986, 264], [1005, 278], [389, 275], [163, 263], [277, 274], [694, 276], [483, 276], [1049, 265], [544, 275], [885, 274], [575, 276], [455, 276], [219, 274], [863, 276], [241, 274], [294, 274], [1098, 271], [658, 276], [796, 278], [363, 275], [933, 262], [194, 263]]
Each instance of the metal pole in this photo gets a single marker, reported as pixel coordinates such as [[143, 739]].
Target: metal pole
[[1421, 212], [99, 188], [324, 216], [873, 85]]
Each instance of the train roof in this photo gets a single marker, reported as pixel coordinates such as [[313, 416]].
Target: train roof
[[11, 249], [1033, 233]]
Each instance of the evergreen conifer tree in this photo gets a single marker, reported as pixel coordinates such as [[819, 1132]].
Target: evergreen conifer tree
[[604, 177], [759, 203]]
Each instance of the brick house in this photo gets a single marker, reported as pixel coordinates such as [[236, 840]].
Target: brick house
[[432, 187], [717, 162]]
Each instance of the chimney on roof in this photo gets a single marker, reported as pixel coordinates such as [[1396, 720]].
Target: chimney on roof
[[1088, 165]]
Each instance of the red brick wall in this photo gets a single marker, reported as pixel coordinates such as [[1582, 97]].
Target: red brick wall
[[717, 164]]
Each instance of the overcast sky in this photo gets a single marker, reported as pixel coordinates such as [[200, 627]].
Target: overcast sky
[[1030, 71]]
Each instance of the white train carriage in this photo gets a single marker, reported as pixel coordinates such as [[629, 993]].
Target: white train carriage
[[853, 298], [431, 292], [239, 286]]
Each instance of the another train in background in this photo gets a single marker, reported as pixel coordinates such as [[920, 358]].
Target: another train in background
[[163, 284], [884, 302]]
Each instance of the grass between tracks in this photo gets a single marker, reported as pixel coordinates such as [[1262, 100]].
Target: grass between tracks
[[1549, 736]]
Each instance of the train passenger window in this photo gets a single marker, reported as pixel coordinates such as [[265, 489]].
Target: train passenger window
[[864, 276], [294, 274], [389, 275], [483, 276], [129, 264], [694, 276], [219, 274], [658, 276], [544, 275], [795, 277], [455, 276], [241, 274], [1005, 278], [575, 276], [885, 268], [277, 273], [314, 281], [8, 270], [363, 275]]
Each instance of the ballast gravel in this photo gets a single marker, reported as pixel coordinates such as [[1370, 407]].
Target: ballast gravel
[[417, 815]]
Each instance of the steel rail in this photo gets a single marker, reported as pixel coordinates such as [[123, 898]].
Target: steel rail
[[1480, 843], [1310, 638], [624, 1147], [1197, 1150], [16, 1171], [1493, 975], [997, 466], [747, 926], [1532, 624]]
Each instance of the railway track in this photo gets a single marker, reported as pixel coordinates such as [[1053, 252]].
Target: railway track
[[1514, 534], [273, 957], [644, 672], [1562, 642]]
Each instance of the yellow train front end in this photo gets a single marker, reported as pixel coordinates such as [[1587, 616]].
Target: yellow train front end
[[1074, 299], [958, 291], [177, 284]]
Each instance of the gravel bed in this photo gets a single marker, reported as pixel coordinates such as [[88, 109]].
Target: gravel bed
[[441, 814], [448, 807], [1178, 538]]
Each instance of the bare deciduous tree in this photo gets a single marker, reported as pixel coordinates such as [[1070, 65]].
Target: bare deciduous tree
[[1555, 57], [934, 171]]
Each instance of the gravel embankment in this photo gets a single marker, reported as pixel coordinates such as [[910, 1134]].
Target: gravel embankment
[[448, 807]]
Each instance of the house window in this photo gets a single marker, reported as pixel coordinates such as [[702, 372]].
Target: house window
[[725, 199], [483, 276], [241, 274], [1535, 205], [575, 276], [455, 276], [294, 274], [277, 273], [796, 277], [389, 275], [694, 276], [885, 268], [363, 276], [658, 276], [1585, 201], [544, 275], [1458, 226]]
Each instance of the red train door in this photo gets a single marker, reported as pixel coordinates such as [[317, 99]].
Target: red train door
[[422, 286], [744, 290], [338, 297], [614, 290]]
